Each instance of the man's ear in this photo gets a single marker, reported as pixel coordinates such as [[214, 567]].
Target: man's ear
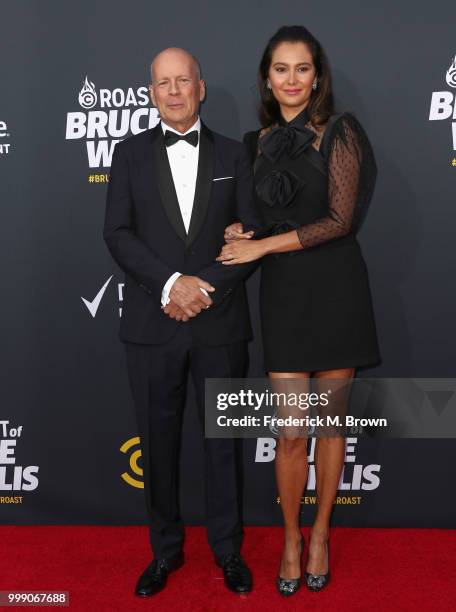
[[202, 90]]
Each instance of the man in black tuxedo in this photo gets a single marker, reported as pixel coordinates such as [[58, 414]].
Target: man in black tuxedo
[[172, 191]]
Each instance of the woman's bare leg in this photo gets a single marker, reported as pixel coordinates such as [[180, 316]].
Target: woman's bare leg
[[329, 461], [291, 470]]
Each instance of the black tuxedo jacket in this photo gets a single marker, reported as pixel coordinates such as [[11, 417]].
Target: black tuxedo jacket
[[146, 236]]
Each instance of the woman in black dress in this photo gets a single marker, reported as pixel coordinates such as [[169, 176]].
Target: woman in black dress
[[314, 173]]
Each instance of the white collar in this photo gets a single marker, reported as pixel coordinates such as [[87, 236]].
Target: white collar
[[195, 126]]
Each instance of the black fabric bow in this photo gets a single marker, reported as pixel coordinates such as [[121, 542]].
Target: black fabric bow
[[292, 139], [171, 138], [278, 188]]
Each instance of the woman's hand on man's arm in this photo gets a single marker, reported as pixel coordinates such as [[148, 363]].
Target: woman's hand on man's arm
[[235, 231]]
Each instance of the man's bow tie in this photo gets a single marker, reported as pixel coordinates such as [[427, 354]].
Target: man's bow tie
[[171, 138]]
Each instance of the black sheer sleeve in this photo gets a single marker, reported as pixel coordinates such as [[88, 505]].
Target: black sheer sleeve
[[352, 173]]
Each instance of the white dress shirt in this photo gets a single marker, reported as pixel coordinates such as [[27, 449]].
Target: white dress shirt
[[183, 160]]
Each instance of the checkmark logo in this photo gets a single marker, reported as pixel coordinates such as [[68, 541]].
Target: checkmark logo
[[93, 305]]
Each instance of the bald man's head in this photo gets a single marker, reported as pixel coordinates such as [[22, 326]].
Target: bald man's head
[[177, 89], [172, 54]]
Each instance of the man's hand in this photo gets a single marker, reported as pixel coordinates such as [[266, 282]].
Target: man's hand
[[187, 295], [175, 312]]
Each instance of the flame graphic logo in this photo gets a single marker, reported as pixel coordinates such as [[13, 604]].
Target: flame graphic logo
[[451, 74], [88, 95]]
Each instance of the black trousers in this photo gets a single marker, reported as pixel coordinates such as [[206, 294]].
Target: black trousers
[[158, 379]]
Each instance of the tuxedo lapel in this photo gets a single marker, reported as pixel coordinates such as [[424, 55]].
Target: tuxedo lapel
[[166, 184], [203, 183]]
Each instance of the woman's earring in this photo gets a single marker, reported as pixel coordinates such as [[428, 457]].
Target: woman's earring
[[268, 85], [314, 85]]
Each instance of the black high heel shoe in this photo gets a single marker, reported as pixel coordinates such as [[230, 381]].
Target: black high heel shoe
[[316, 582], [289, 586]]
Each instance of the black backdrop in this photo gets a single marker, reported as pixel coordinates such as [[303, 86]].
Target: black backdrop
[[64, 377]]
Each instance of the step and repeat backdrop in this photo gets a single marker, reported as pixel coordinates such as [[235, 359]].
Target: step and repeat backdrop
[[74, 80]]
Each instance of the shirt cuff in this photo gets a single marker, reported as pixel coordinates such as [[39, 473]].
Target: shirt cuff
[[167, 288]]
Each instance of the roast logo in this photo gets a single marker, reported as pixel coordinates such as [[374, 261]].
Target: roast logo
[[443, 104], [106, 117], [132, 447], [451, 74], [88, 95]]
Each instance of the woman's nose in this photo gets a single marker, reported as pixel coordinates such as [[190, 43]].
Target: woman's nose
[[291, 77]]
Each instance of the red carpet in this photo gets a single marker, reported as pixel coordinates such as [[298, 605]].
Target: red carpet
[[372, 569]]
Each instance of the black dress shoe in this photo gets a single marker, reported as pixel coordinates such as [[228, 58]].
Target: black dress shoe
[[154, 578], [238, 577]]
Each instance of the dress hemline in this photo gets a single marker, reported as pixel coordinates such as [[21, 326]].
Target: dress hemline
[[318, 367]]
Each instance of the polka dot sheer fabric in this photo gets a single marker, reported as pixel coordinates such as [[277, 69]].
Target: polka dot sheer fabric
[[351, 179]]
